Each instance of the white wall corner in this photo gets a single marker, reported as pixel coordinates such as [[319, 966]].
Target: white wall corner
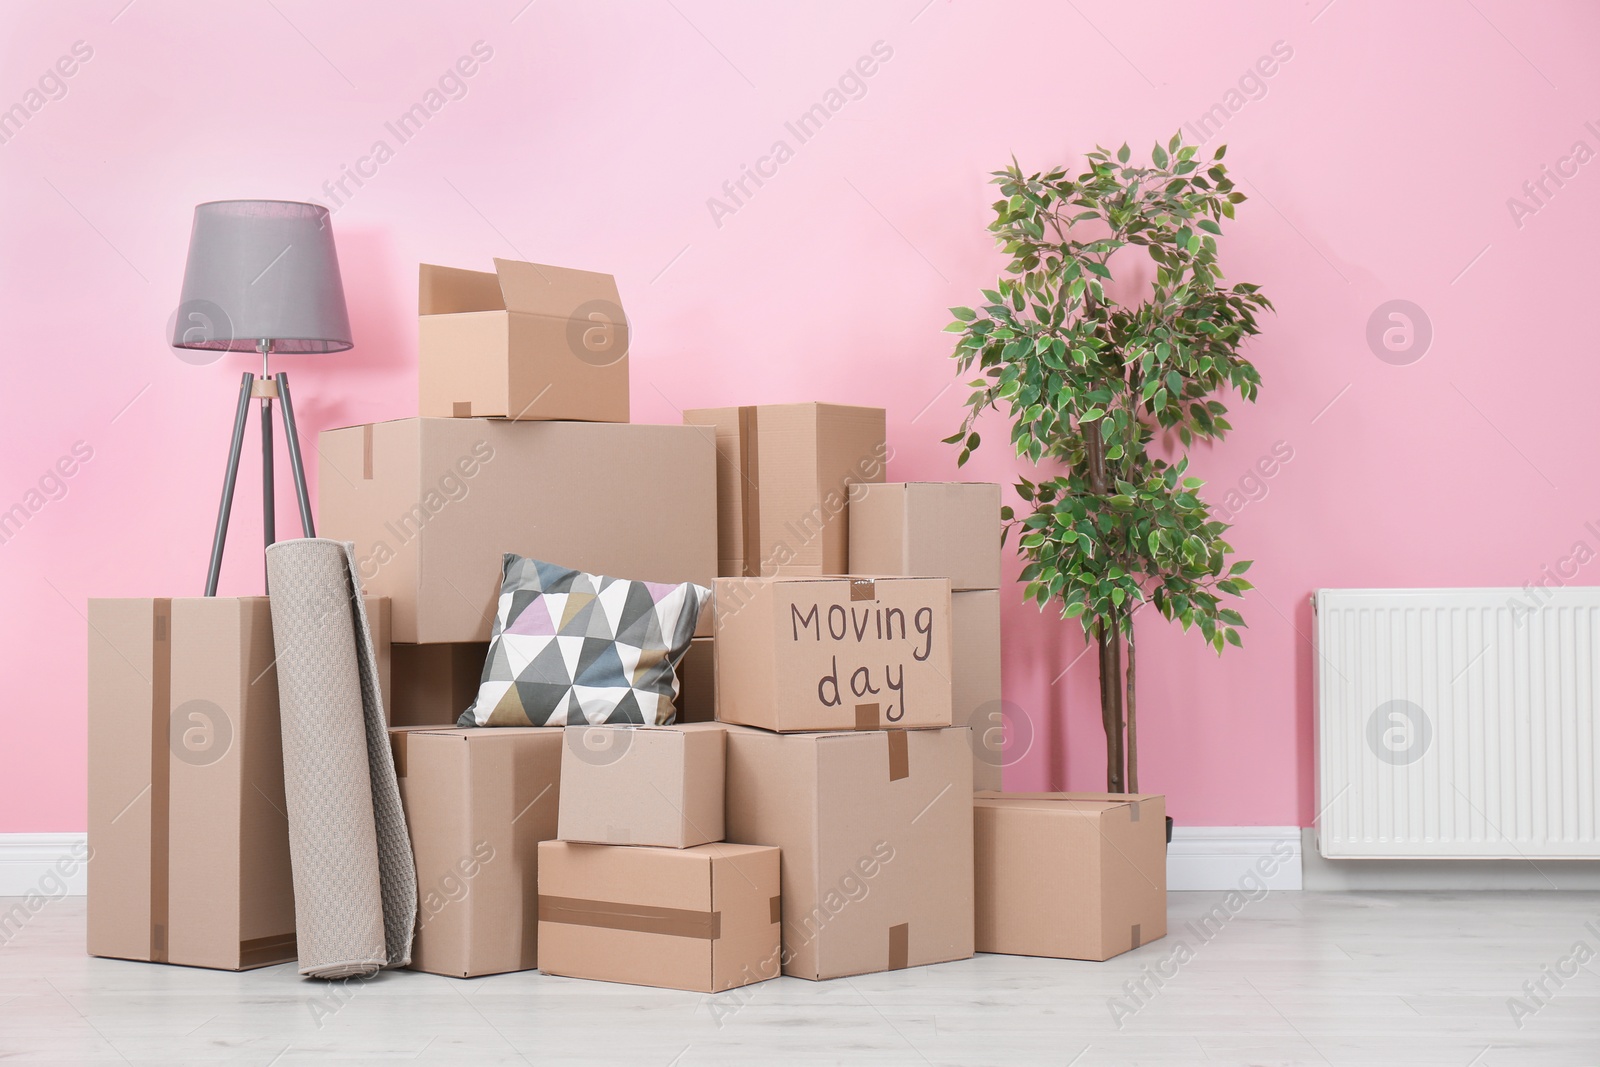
[[43, 864], [1234, 857]]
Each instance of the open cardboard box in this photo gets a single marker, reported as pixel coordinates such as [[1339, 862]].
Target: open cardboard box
[[529, 341]]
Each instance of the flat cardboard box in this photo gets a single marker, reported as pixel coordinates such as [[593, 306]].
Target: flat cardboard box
[[946, 529], [876, 833], [1080, 876], [975, 681], [697, 682], [642, 785], [433, 504], [187, 832], [784, 473], [477, 803], [529, 341], [702, 919], [840, 653], [434, 684]]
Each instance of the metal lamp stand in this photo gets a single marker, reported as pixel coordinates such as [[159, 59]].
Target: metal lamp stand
[[266, 388]]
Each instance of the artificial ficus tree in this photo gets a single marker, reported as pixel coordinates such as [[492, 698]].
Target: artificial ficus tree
[[1104, 395]]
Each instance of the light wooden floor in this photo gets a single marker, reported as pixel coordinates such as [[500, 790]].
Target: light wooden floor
[[1293, 978]]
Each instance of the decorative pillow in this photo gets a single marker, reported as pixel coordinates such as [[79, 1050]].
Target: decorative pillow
[[571, 648]]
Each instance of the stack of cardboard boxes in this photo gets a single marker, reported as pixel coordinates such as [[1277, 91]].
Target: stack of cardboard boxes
[[812, 811]]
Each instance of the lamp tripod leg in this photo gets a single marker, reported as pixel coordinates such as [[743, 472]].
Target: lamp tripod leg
[[293, 436], [232, 476]]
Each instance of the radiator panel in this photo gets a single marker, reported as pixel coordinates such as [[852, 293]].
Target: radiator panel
[[1457, 723]]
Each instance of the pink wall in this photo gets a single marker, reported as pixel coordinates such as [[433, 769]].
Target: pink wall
[[1380, 157]]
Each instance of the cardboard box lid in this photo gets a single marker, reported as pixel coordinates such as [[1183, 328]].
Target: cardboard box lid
[[531, 288], [1084, 803]]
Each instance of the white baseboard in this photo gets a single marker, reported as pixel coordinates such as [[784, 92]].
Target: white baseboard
[[1233, 857], [40, 863], [1200, 857]]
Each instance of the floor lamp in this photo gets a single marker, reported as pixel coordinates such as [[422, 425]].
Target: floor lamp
[[262, 276]]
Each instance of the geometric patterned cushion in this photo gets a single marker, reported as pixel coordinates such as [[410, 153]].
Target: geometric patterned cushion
[[571, 648]]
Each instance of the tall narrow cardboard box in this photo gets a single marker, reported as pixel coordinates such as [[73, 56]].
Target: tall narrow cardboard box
[[876, 832], [478, 802], [784, 473], [188, 838]]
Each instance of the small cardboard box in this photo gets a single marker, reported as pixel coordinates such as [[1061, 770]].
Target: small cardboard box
[[432, 505], [477, 803], [188, 840], [1079, 876], [703, 919], [948, 529], [642, 785], [797, 653], [697, 682], [876, 833], [529, 341], [434, 684], [784, 473], [975, 681]]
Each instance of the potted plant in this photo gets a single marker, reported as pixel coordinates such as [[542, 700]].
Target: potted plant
[[1107, 393]]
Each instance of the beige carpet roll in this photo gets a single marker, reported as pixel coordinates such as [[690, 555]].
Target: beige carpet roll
[[355, 884]]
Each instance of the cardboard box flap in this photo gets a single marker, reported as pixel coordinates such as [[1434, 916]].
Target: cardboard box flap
[[1088, 803], [453, 290], [537, 289]]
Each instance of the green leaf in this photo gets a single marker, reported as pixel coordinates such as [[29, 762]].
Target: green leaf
[[1091, 415], [1209, 226], [1123, 154], [1159, 156], [964, 314]]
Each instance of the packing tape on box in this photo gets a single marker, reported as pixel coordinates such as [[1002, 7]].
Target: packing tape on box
[[899, 947], [461, 409], [864, 589], [366, 452], [899, 755], [160, 774], [867, 717], [1135, 937], [750, 491], [637, 918]]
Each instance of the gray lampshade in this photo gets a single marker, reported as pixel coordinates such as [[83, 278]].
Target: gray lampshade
[[262, 269]]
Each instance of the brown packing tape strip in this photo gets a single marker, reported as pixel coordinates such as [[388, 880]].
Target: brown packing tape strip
[[262, 951], [900, 947], [863, 589], [160, 774], [1135, 938], [461, 409], [638, 918], [866, 717], [899, 755], [1133, 810], [366, 452], [750, 490], [777, 909]]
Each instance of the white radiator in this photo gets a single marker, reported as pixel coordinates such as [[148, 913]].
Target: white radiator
[[1457, 723]]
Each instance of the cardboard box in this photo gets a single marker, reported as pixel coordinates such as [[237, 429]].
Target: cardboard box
[[697, 682], [434, 684], [942, 529], [1079, 876], [477, 802], [876, 833], [642, 785], [527, 342], [433, 504], [975, 681], [703, 919], [784, 473], [797, 653], [187, 832]]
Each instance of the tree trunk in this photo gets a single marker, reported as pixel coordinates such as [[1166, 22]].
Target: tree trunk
[[1133, 730], [1110, 642], [1109, 638]]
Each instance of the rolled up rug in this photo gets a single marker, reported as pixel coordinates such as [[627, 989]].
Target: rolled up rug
[[355, 882]]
